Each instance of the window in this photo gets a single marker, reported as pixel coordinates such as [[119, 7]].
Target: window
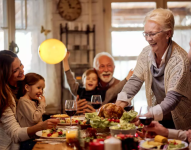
[[182, 15], [127, 39], [3, 25]]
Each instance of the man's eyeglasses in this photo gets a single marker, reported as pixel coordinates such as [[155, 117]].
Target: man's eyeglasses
[[151, 35]]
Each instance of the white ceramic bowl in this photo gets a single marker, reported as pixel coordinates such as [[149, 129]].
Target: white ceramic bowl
[[123, 131]]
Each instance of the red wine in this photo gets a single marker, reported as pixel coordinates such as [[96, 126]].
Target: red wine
[[70, 112], [128, 108], [145, 120], [96, 105]]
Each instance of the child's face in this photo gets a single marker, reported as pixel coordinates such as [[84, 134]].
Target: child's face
[[36, 90], [90, 82]]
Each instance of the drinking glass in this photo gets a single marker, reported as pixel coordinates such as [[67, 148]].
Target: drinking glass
[[146, 116], [96, 101], [130, 106], [71, 109], [72, 137]]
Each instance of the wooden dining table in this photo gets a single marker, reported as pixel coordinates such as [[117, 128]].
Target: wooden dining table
[[47, 146]]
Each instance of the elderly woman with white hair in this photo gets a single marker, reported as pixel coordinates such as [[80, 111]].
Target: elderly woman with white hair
[[164, 67]]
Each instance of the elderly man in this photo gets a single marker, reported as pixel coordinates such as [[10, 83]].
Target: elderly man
[[104, 65]]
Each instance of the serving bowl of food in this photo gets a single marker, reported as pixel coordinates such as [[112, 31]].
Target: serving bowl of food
[[126, 128]]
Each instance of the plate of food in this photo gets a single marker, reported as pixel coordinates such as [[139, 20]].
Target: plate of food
[[66, 121], [59, 116], [110, 115], [160, 142], [52, 133]]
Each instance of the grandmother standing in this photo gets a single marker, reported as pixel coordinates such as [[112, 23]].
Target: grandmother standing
[[164, 67]]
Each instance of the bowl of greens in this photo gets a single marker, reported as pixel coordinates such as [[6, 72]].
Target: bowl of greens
[[126, 128]]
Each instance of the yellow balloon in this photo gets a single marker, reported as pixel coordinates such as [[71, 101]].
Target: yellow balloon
[[52, 51]]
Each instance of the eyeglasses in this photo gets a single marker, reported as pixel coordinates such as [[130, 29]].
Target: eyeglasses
[[151, 35]]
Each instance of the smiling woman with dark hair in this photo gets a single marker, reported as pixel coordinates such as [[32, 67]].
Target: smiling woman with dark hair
[[10, 131]]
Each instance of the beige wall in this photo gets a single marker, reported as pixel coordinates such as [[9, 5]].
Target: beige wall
[[92, 13]]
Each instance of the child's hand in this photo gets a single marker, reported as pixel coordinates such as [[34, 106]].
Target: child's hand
[[67, 56], [41, 99], [129, 75]]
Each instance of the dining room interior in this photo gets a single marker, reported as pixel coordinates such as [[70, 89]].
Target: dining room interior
[[86, 28], [118, 26]]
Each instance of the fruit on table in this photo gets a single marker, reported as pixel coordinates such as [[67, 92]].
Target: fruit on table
[[161, 139], [110, 111]]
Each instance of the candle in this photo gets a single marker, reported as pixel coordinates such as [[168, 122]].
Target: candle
[[112, 144]]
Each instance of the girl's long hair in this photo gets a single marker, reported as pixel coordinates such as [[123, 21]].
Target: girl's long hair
[[6, 59], [31, 79]]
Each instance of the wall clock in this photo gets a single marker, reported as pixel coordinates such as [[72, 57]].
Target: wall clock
[[69, 9]]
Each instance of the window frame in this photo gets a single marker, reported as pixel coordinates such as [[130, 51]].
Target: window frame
[[109, 28]]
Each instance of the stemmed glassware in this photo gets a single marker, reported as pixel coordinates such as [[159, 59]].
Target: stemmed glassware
[[146, 116], [70, 108], [96, 101]]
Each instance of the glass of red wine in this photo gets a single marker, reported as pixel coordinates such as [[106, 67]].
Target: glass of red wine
[[146, 116], [96, 101], [70, 109], [128, 108]]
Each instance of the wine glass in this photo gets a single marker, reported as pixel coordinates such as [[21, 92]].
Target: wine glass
[[130, 106], [70, 109], [96, 101], [146, 116]]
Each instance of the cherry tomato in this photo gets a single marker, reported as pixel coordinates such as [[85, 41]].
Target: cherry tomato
[[60, 133], [113, 119], [49, 134], [109, 120], [76, 121], [121, 136], [136, 135], [117, 120]]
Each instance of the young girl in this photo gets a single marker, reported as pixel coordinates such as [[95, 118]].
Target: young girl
[[32, 105], [90, 83]]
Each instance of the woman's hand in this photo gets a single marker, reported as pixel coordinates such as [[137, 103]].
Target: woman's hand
[[49, 124], [121, 103], [157, 128], [136, 121]]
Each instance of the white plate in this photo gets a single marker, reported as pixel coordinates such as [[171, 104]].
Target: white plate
[[39, 133], [141, 143]]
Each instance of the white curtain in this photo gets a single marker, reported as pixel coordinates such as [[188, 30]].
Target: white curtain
[[28, 40]]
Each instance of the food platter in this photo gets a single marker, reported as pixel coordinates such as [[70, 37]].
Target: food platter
[[143, 144], [40, 134]]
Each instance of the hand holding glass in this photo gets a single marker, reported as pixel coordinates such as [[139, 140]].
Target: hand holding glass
[[71, 109], [96, 101], [146, 115]]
